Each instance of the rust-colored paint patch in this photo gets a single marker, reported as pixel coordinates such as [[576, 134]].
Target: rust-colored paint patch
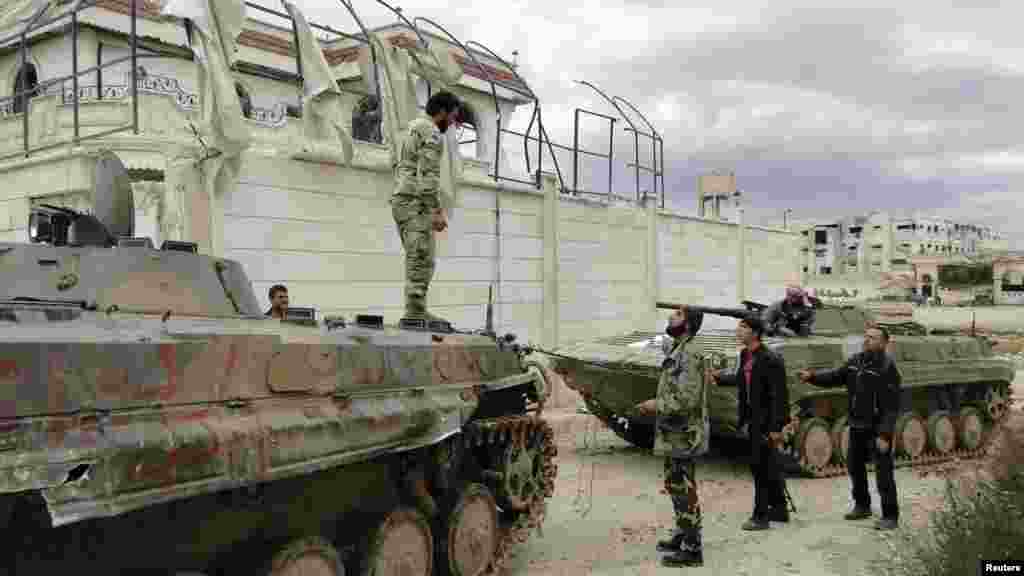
[[56, 391], [441, 372], [232, 359], [8, 369], [166, 470], [367, 375], [169, 362], [454, 362], [385, 422], [9, 376], [111, 381]]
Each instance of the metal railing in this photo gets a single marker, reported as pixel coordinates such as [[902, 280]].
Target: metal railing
[[26, 93]]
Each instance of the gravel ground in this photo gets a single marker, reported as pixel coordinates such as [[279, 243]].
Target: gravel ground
[[609, 510]]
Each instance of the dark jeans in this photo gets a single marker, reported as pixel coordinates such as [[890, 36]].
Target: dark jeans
[[862, 447], [769, 485]]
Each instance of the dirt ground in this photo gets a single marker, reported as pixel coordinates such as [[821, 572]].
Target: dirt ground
[[609, 510]]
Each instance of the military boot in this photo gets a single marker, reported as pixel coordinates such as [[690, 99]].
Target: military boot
[[672, 544], [416, 309], [684, 557]]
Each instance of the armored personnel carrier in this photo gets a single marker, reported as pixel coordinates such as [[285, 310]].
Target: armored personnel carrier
[[954, 388], [154, 421]]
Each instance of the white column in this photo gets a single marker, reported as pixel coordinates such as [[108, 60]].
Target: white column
[[741, 257], [550, 305], [652, 258]]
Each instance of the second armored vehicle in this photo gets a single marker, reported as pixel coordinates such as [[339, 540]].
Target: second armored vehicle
[[954, 387]]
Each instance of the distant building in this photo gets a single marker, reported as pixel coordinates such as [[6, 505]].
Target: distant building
[[879, 243]]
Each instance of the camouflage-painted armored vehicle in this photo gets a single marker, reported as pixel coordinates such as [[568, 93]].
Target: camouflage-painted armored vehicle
[[954, 388], [152, 418]]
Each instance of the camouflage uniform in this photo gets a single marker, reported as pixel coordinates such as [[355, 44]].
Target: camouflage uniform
[[682, 434], [416, 196]]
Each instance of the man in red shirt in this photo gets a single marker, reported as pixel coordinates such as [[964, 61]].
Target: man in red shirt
[[760, 380]]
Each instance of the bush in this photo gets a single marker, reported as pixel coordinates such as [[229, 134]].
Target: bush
[[984, 521]]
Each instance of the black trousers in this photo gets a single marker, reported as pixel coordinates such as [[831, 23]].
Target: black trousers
[[769, 485], [862, 447]]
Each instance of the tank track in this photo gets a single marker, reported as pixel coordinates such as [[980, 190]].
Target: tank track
[[902, 461], [528, 432], [643, 437], [927, 457]]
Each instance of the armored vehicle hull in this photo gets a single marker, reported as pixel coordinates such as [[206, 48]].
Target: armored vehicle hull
[[206, 439], [954, 388], [154, 421]]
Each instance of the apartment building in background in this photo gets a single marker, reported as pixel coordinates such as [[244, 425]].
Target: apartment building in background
[[880, 242]]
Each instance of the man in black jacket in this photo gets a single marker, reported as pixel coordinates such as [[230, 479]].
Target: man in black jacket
[[873, 386], [760, 380]]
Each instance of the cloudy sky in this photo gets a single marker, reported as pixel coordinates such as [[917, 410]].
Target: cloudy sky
[[824, 110]]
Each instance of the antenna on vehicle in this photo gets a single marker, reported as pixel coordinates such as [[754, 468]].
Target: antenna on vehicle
[[489, 322]]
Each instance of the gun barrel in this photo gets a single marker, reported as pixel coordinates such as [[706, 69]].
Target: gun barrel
[[738, 313]]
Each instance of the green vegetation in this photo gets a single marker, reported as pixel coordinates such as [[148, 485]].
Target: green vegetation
[[983, 523]]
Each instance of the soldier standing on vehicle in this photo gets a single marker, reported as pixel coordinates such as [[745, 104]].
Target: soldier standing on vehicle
[[278, 301], [415, 203], [681, 435], [873, 388], [760, 381]]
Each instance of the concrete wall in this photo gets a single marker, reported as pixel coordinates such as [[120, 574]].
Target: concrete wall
[[327, 233], [988, 318]]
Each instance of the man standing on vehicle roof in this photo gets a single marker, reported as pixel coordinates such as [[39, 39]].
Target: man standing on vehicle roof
[[416, 204], [873, 387], [681, 435]]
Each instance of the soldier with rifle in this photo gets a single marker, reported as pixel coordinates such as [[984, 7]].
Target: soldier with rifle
[[681, 435]]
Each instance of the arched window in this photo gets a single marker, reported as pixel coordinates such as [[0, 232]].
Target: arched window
[[468, 131], [366, 120], [244, 99], [27, 79]]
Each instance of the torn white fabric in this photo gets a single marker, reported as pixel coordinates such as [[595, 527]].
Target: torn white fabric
[[323, 114], [217, 25]]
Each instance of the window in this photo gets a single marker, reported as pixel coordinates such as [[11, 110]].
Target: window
[[466, 133], [366, 120], [826, 269], [244, 99], [27, 79], [821, 236]]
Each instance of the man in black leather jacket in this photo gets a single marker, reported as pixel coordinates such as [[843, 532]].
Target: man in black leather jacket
[[760, 381], [873, 386]]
